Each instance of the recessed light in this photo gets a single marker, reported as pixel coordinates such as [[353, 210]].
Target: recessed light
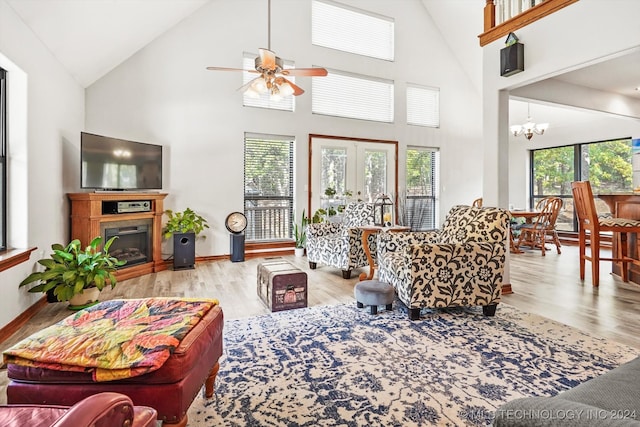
[[638, 88]]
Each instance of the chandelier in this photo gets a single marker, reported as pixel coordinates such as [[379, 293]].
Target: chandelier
[[529, 128]]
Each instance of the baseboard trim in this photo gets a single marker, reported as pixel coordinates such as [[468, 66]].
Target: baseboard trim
[[14, 326]]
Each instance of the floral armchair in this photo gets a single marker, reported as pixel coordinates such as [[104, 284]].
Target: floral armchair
[[339, 244], [462, 264]]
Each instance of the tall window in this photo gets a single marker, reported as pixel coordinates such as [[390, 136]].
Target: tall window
[[268, 186], [607, 165], [348, 29], [418, 207], [3, 160], [353, 96]]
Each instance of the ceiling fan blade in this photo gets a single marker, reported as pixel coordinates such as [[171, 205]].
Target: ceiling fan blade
[[313, 72], [230, 69], [268, 59], [297, 90]]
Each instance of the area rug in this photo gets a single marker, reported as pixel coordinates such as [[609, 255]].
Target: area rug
[[340, 366]]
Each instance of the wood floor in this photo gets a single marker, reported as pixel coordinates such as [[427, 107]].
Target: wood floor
[[548, 286]]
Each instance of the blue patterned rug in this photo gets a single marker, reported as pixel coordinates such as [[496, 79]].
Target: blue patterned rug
[[340, 366]]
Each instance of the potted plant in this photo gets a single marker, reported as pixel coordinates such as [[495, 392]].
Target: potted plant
[[184, 226], [300, 234], [75, 274]]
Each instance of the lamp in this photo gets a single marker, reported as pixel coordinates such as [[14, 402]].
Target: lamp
[[529, 128], [383, 211]]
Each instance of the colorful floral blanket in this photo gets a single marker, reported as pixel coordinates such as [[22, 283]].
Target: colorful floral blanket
[[114, 339]]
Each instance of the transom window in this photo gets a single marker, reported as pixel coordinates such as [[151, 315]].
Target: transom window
[[348, 29], [353, 96], [423, 106]]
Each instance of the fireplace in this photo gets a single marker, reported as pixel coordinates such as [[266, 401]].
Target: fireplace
[[133, 243]]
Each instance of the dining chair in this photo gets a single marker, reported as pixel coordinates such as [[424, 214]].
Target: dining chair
[[477, 203], [543, 229], [588, 220]]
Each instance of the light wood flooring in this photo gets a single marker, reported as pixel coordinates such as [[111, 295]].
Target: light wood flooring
[[548, 286]]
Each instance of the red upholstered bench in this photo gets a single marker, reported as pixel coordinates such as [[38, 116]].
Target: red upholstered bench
[[170, 390]]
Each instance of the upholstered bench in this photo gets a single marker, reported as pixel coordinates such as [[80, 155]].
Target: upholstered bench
[[374, 293], [170, 389]]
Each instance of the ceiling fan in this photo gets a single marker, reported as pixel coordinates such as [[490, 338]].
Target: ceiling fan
[[273, 76]]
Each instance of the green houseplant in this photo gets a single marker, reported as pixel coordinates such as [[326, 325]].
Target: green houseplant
[[184, 226], [186, 221], [71, 269], [300, 234]]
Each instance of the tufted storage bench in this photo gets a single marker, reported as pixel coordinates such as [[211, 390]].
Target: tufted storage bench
[[170, 389]]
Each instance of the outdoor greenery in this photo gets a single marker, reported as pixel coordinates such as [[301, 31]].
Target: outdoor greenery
[[607, 165], [72, 269], [419, 172], [268, 173]]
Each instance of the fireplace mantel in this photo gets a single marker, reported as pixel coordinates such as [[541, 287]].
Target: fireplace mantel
[[91, 212]]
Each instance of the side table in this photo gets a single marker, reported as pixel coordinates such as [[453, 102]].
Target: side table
[[368, 230]]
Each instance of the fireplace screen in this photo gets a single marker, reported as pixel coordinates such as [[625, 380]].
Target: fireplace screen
[[133, 242]]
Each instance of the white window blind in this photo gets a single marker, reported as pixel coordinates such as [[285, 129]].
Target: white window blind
[[287, 103], [268, 186], [351, 30], [353, 96], [419, 206], [423, 106]]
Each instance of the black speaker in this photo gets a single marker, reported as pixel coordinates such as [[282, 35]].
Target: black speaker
[[512, 59], [237, 247], [184, 250]]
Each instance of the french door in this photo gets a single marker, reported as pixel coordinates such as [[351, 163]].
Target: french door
[[346, 170]]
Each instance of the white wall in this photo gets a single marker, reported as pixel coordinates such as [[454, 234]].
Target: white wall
[[45, 119], [164, 95], [553, 45]]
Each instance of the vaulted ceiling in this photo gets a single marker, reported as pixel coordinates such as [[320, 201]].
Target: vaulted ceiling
[[90, 38]]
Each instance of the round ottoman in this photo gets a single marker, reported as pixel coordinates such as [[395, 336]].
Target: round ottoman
[[374, 293]]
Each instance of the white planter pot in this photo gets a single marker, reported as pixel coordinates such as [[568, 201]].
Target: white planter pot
[[86, 297], [298, 251]]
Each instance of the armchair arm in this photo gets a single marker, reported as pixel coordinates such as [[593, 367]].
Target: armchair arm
[[323, 229], [99, 410], [395, 241]]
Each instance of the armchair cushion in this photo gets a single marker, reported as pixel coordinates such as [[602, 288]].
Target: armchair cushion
[[460, 265]]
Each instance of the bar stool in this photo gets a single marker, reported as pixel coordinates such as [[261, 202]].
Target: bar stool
[[585, 208]]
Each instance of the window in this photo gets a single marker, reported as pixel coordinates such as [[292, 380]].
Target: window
[[419, 208], [353, 96], [423, 106], [3, 161], [268, 186], [607, 165], [287, 103], [351, 30]]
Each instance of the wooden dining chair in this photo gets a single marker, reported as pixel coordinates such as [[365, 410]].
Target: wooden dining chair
[[588, 220], [477, 203], [543, 229]]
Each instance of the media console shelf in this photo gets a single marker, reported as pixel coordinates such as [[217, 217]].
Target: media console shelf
[[92, 213]]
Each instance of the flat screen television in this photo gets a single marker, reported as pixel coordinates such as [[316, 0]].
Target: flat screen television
[[117, 164]]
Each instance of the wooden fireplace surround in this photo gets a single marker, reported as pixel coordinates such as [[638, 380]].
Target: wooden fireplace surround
[[88, 217]]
